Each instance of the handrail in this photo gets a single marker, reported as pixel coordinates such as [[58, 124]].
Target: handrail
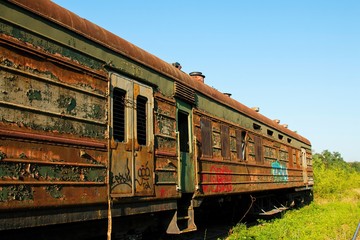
[[197, 186], [178, 187]]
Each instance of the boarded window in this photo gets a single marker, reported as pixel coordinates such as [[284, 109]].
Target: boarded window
[[141, 119], [258, 149], [294, 157], [225, 142], [119, 114], [290, 155], [206, 138], [240, 145]]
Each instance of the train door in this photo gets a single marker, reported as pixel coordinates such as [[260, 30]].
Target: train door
[[184, 128], [131, 142], [304, 165]]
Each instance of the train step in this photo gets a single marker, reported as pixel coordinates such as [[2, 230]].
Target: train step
[[183, 219], [273, 211]]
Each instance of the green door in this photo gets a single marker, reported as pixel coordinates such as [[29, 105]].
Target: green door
[[184, 128]]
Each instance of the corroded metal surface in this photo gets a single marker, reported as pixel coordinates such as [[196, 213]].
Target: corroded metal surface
[[83, 27], [132, 159], [52, 130], [265, 164], [166, 149], [175, 135], [40, 173]]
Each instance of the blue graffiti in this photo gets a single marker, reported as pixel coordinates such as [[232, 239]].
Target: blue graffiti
[[279, 172]]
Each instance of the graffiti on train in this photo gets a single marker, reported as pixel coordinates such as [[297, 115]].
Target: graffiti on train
[[125, 178], [218, 180], [279, 171]]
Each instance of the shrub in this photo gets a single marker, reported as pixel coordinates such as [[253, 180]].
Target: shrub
[[338, 183]]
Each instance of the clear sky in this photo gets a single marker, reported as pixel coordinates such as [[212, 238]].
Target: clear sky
[[298, 61]]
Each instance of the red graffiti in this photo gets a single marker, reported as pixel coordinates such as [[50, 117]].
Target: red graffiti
[[219, 180], [162, 192]]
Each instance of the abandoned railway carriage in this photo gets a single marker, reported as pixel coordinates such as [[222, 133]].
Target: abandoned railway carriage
[[92, 127]]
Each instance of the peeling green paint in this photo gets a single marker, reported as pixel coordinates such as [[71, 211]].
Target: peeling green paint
[[16, 192], [63, 126], [57, 172], [67, 102], [4, 193], [94, 131], [34, 95], [7, 63], [86, 53], [2, 156], [48, 45], [166, 177], [97, 112], [54, 191], [165, 143], [95, 175], [166, 125], [51, 124], [11, 170]]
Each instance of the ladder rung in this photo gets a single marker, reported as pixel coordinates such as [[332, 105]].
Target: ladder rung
[[183, 218]]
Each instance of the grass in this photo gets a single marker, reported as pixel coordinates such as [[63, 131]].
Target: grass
[[334, 214], [321, 219]]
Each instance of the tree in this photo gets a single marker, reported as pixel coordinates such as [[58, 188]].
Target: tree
[[355, 166], [330, 160]]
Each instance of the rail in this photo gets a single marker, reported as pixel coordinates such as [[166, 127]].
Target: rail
[[356, 232], [196, 159]]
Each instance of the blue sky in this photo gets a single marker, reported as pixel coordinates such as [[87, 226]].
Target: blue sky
[[299, 61]]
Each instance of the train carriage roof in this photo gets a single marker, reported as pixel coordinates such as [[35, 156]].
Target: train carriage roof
[[61, 16]]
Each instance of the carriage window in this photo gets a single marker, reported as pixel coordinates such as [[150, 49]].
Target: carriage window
[[206, 137], [240, 145], [225, 142], [258, 149], [256, 126], [119, 114], [183, 127], [141, 119]]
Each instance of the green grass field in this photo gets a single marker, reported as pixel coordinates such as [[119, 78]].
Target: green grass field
[[334, 214]]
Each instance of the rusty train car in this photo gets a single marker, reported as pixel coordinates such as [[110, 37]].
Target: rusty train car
[[93, 127]]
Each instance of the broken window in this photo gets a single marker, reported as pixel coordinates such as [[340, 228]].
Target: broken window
[[225, 142], [241, 145]]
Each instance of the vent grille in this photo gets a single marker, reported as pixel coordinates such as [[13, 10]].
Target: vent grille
[[141, 119], [185, 93], [119, 115]]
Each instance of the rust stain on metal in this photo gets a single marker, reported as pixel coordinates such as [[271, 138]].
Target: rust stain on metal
[[67, 19]]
